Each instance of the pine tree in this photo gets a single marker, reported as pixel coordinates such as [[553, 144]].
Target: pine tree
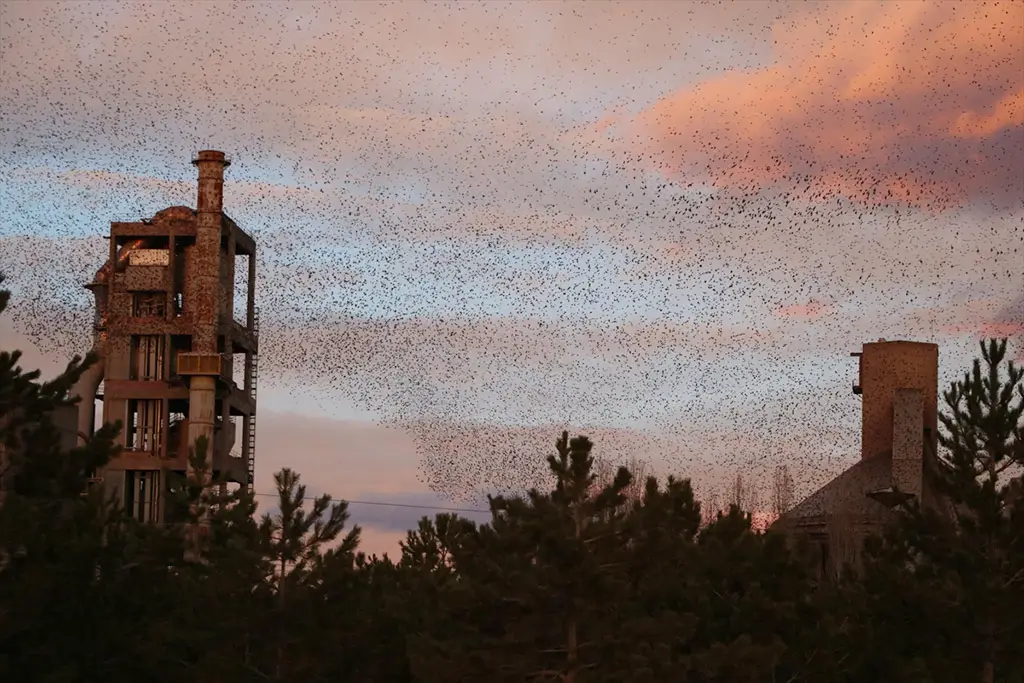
[[656, 626], [755, 605], [710, 602], [537, 587], [431, 545], [32, 463], [403, 602], [605, 473], [223, 597], [81, 587], [298, 542]]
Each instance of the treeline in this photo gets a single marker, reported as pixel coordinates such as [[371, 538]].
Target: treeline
[[582, 583]]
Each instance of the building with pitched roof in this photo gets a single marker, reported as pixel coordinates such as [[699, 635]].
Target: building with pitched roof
[[898, 385]]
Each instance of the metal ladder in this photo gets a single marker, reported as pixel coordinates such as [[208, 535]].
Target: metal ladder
[[253, 377]]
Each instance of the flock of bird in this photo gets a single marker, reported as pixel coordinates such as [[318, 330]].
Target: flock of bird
[[448, 240]]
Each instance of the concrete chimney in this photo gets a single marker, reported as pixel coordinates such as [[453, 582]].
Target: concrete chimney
[[885, 368], [206, 267], [209, 214]]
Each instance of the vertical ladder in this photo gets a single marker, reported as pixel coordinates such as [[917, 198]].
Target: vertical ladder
[[253, 377]]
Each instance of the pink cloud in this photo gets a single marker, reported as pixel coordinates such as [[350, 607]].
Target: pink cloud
[[919, 102], [988, 330], [808, 311], [981, 318]]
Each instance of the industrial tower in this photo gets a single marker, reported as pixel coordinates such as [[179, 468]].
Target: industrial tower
[[898, 385], [174, 363]]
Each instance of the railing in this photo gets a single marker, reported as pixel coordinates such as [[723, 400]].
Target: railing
[[253, 378], [145, 437]]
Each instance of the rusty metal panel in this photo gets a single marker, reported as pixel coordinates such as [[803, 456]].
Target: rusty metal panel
[[141, 389], [199, 363]]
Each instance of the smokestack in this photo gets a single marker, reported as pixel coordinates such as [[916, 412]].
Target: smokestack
[[211, 166], [206, 311], [209, 207]]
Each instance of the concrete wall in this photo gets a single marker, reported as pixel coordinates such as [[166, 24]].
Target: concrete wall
[[145, 278], [908, 441], [884, 368], [227, 281]]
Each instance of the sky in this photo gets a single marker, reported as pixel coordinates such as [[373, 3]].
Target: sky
[[664, 225]]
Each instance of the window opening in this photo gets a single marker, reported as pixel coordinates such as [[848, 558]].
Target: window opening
[[142, 494], [146, 304], [148, 357], [144, 425]]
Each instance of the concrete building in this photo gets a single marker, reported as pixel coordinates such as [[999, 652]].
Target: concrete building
[[176, 363], [898, 385]]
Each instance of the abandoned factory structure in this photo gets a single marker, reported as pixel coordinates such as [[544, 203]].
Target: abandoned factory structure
[[177, 347], [898, 385]]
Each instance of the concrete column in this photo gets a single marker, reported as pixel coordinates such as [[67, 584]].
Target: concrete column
[[226, 437], [228, 278], [170, 279], [202, 400], [206, 279], [908, 441], [205, 309]]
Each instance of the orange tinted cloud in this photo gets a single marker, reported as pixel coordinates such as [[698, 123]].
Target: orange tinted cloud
[[808, 311], [920, 102], [988, 330]]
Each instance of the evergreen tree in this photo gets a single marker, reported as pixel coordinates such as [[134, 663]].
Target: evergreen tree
[[718, 602], [80, 585], [431, 545], [656, 628], [301, 557], [536, 587], [393, 603], [756, 605], [222, 598]]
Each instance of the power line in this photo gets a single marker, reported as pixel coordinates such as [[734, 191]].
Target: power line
[[388, 504]]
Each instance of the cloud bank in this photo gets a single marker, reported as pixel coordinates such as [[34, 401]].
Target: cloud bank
[[921, 102]]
